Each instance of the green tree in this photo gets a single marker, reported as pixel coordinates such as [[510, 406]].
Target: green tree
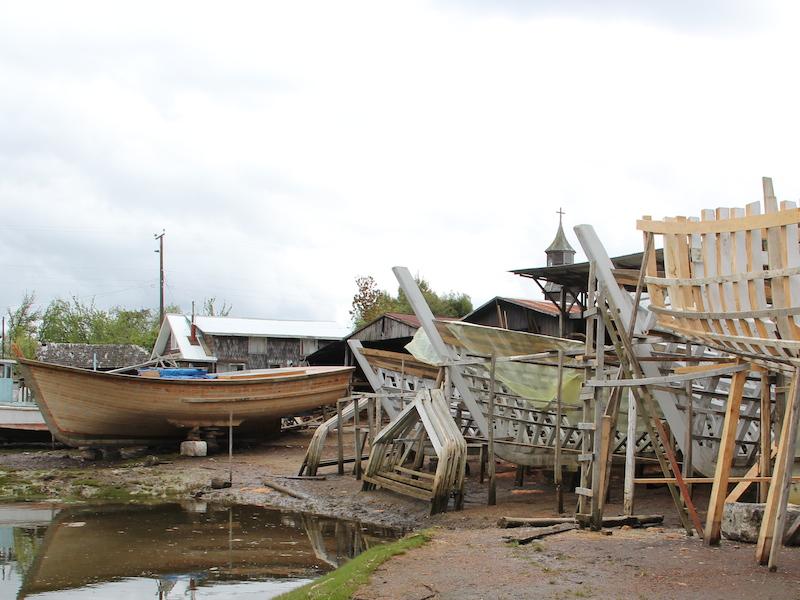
[[370, 302], [83, 323], [74, 322], [210, 309], [21, 327]]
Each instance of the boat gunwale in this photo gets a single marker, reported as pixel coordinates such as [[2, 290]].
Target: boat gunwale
[[328, 370]]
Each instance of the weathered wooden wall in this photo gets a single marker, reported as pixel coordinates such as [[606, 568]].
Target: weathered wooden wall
[[523, 319], [260, 352], [384, 328]]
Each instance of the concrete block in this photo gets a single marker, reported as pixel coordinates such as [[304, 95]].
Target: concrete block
[[741, 521], [194, 449]]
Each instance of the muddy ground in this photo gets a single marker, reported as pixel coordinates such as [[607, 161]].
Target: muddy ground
[[468, 556]]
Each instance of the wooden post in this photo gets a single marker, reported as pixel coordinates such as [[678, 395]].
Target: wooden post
[[630, 456], [727, 447], [766, 437], [230, 447], [357, 439], [599, 409], [490, 452], [339, 440], [688, 469], [772, 525], [371, 402], [557, 471], [591, 302]]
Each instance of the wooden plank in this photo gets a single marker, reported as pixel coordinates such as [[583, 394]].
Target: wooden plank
[[543, 532], [766, 313], [630, 457], [492, 497], [703, 368], [511, 522], [752, 476], [765, 434], [422, 474], [719, 489], [733, 479], [401, 488], [418, 483], [712, 371], [774, 219], [755, 265], [776, 253], [772, 524]]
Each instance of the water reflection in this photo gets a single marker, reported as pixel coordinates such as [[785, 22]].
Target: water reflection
[[170, 551]]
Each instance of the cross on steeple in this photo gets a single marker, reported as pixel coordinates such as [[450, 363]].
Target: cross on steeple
[[560, 213]]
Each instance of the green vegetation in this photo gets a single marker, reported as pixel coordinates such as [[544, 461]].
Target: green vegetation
[[15, 487], [26, 546], [78, 322], [79, 485], [342, 583], [22, 327], [369, 302]]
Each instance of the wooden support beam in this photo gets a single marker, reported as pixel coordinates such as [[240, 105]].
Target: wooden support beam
[[765, 422], [630, 457], [752, 476], [719, 490], [634, 520], [745, 479], [772, 525], [492, 499]]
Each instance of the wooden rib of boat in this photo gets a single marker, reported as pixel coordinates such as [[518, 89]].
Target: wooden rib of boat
[[732, 278], [90, 408]]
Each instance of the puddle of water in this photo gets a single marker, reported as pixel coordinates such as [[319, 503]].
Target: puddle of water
[[170, 551]]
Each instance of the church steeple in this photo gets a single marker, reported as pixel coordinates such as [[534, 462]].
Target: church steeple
[[560, 252]]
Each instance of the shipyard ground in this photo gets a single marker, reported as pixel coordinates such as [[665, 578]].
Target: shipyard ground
[[467, 558]]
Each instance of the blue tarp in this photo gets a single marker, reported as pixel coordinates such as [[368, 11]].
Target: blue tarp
[[181, 373]]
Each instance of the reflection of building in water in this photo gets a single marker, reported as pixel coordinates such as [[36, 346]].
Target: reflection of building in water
[[22, 530], [182, 552]]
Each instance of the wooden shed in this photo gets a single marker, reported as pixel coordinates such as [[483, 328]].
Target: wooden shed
[[531, 316], [235, 344]]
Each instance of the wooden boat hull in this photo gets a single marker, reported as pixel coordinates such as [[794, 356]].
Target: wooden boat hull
[[86, 546], [89, 408]]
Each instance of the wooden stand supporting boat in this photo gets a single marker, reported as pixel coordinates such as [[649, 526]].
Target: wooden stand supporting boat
[[89, 408]]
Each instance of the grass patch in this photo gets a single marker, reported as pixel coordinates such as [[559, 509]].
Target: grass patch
[[342, 583], [87, 482]]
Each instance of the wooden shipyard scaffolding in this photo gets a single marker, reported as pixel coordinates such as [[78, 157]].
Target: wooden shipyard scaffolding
[[727, 300], [685, 368]]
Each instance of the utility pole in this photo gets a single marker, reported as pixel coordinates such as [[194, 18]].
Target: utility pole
[[160, 251]]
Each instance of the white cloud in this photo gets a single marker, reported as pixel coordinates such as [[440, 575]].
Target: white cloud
[[289, 147]]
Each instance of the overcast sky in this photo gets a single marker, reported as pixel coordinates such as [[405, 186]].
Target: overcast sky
[[289, 147]]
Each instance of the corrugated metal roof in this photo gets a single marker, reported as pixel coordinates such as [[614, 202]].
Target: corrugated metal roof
[[324, 330], [410, 320], [544, 306], [181, 329], [575, 276]]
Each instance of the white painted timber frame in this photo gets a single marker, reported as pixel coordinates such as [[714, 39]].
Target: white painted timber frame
[[703, 457], [445, 354], [373, 379]]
